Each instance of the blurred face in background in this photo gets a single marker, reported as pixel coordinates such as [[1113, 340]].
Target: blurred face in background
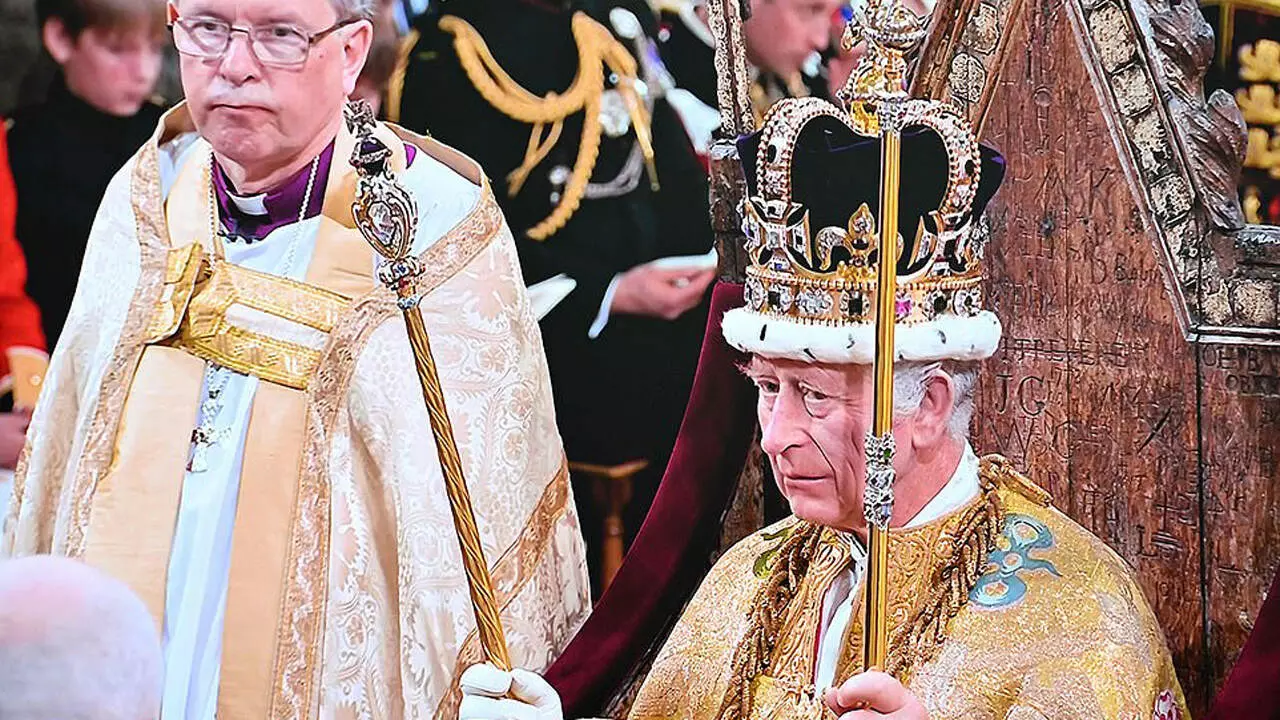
[[782, 34], [112, 67]]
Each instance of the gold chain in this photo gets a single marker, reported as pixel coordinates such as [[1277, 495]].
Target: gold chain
[[919, 640], [914, 643], [597, 49], [752, 655]]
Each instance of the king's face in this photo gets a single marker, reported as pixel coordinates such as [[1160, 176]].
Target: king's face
[[813, 417]]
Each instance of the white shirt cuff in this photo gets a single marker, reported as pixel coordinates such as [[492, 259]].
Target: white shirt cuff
[[602, 317]]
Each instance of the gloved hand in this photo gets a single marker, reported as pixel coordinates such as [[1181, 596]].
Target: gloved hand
[[491, 694]]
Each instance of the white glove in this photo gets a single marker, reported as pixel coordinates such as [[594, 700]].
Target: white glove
[[491, 694]]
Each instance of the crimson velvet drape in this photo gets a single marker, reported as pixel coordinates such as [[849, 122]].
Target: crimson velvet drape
[[1252, 691], [673, 550]]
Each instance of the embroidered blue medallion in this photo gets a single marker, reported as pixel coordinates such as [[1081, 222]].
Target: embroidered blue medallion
[[1000, 586]]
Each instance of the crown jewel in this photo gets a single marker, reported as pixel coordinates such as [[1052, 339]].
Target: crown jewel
[[826, 275]]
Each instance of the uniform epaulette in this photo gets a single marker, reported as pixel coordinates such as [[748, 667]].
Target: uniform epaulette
[[999, 470], [598, 50]]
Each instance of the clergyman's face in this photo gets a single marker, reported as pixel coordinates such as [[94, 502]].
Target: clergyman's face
[[782, 34], [813, 417], [254, 112]]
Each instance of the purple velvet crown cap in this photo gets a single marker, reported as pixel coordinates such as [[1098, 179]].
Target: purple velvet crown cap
[[834, 171]]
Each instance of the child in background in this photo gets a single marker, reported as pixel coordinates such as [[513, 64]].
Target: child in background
[[64, 151]]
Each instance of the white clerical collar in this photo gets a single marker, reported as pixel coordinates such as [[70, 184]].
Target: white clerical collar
[[249, 204], [959, 490], [837, 603]]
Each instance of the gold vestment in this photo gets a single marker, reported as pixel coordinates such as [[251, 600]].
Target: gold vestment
[[347, 596], [1054, 629]]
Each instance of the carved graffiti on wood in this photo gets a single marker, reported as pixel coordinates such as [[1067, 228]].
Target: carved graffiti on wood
[[1118, 257]]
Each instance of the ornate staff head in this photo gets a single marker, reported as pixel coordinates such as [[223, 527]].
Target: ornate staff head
[[385, 212]]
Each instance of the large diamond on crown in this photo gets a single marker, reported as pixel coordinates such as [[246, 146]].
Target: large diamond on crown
[[814, 302]]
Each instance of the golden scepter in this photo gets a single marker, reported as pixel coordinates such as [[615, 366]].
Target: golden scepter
[[387, 217], [877, 97]]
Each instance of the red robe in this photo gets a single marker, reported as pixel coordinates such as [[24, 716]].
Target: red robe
[[22, 341]]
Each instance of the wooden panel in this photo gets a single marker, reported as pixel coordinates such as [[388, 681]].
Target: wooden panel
[[1093, 390], [1240, 428]]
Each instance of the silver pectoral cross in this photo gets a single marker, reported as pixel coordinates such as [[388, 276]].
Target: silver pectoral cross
[[207, 433]]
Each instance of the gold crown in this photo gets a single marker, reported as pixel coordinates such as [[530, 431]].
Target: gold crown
[[828, 275], [817, 285]]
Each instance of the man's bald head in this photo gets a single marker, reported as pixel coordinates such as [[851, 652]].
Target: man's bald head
[[75, 644]]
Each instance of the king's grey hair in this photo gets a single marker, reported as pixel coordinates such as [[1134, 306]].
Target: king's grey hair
[[910, 379], [355, 9], [75, 644]]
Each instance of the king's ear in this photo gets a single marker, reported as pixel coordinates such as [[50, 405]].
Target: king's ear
[[357, 39], [933, 418]]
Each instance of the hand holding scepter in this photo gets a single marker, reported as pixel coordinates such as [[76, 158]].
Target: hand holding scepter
[[387, 216]]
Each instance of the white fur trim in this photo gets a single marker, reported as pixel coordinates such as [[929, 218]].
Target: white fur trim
[[948, 338]]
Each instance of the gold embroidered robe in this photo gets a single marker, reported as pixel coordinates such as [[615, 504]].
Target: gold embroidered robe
[[347, 596], [1056, 628]]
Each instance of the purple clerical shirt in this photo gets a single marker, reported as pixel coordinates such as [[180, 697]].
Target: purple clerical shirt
[[282, 204]]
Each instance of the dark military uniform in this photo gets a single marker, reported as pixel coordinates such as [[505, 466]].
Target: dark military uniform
[[688, 51], [621, 395]]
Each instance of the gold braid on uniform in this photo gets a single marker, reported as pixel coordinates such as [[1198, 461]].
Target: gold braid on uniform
[[916, 642], [597, 49], [751, 657]]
